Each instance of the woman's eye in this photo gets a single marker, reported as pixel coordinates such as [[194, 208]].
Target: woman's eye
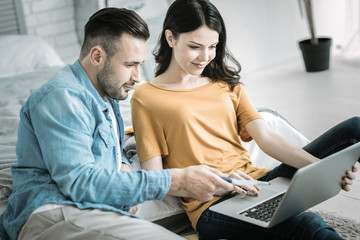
[[193, 47]]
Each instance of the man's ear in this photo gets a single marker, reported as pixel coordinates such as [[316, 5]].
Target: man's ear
[[97, 55], [169, 37]]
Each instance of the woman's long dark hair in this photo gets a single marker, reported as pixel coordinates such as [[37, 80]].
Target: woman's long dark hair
[[185, 16]]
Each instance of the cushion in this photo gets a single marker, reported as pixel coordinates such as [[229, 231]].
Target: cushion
[[24, 53]]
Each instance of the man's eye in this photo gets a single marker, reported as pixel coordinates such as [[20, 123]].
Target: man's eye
[[193, 47]]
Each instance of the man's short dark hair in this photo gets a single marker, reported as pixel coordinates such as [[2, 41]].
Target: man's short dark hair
[[106, 26]]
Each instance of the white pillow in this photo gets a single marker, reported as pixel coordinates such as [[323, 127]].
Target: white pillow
[[24, 53]]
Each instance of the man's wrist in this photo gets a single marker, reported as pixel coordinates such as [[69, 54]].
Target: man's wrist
[[177, 178]]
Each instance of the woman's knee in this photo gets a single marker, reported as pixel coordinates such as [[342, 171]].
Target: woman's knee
[[316, 228], [351, 128], [311, 218], [311, 223]]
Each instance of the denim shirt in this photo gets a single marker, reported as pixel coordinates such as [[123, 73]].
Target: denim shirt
[[66, 152]]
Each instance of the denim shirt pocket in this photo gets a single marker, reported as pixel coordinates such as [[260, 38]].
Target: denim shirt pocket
[[107, 137], [103, 142], [104, 148]]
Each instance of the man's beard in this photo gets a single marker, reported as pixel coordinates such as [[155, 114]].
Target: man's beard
[[103, 78]]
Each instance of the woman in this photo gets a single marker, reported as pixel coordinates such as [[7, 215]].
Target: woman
[[194, 111]]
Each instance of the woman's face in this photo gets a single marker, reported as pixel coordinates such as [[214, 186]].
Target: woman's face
[[193, 51]]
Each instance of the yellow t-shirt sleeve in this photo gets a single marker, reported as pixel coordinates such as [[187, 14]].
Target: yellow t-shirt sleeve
[[152, 141], [246, 112]]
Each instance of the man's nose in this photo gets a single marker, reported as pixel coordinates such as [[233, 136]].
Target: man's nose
[[136, 75]]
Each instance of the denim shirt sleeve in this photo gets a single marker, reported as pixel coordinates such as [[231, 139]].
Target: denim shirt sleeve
[[65, 122]]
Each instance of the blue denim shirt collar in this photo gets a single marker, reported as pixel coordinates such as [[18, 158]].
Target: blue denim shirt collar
[[85, 80]]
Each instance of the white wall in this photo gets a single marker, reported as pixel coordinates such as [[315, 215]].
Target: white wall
[[264, 33], [261, 33], [54, 21]]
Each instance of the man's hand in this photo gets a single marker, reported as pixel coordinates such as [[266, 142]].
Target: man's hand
[[348, 179], [134, 209], [199, 182], [126, 168]]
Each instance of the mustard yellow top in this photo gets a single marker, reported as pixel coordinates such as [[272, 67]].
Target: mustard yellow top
[[194, 126]]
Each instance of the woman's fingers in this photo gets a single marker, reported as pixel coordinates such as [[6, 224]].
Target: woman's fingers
[[240, 175]]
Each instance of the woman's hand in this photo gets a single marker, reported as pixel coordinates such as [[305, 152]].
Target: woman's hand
[[244, 189], [348, 179], [240, 189]]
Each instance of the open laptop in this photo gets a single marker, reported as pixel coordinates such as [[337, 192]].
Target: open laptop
[[285, 198]]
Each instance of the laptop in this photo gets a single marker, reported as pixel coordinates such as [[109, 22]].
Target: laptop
[[285, 198]]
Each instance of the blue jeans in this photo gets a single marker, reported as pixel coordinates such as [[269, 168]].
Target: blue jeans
[[307, 225]]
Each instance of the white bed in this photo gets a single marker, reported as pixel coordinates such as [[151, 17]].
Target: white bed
[[26, 63]]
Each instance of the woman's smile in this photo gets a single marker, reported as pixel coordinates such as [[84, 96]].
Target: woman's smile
[[199, 65]]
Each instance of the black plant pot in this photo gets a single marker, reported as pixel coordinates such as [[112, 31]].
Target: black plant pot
[[316, 57]]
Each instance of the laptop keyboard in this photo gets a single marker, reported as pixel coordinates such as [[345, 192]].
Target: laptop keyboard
[[265, 210]]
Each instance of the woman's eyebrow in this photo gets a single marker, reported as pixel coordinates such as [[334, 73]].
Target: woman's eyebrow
[[202, 44]]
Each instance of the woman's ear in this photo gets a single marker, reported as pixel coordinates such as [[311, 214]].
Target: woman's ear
[[97, 55], [169, 37]]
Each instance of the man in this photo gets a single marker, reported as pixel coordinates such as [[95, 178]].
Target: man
[[71, 181]]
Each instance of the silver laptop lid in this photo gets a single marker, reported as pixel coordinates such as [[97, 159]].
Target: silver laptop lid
[[317, 182]]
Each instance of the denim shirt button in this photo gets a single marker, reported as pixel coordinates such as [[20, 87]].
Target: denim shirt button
[[126, 206]]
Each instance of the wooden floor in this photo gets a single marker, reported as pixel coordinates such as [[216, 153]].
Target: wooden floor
[[313, 103]]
